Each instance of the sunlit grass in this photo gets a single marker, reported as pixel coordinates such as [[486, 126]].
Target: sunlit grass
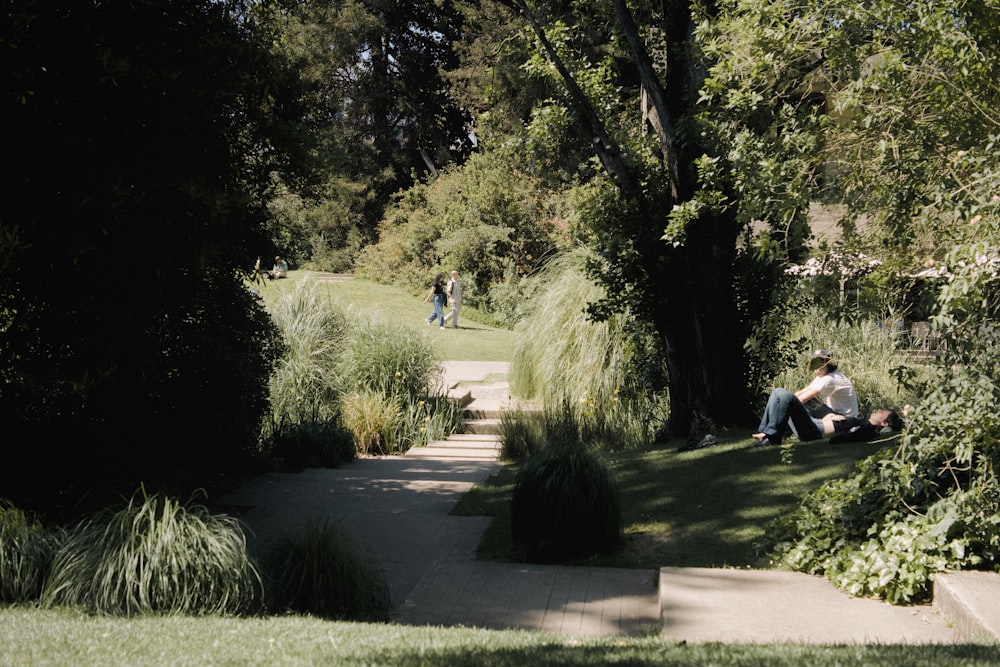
[[371, 301], [66, 637], [704, 508]]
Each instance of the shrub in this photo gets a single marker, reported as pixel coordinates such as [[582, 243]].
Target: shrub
[[26, 551], [311, 445], [565, 503], [304, 386], [302, 429], [155, 555], [372, 418], [522, 433], [323, 572], [388, 360]]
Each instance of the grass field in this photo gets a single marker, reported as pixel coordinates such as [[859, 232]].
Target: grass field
[[706, 508], [31, 637], [366, 300]]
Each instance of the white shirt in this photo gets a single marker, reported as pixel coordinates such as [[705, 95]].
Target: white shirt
[[837, 392]]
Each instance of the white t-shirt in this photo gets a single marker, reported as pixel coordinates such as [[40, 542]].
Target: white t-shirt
[[837, 392]]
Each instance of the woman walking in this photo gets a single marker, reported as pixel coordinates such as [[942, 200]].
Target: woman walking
[[438, 294]]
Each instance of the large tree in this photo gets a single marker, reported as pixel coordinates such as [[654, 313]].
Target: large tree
[[141, 138], [671, 221]]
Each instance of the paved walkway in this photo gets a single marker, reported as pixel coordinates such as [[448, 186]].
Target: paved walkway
[[398, 508]]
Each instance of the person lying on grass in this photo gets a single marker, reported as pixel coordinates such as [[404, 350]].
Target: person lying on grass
[[785, 410]]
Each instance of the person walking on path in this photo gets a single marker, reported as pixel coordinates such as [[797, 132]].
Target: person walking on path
[[454, 291], [439, 296], [830, 391]]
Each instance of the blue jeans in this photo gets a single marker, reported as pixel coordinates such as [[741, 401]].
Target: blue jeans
[[438, 313], [784, 408]]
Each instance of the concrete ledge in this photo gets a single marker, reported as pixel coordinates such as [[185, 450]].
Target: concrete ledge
[[970, 601], [770, 606]]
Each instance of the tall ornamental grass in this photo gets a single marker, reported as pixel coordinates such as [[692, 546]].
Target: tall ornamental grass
[[324, 572], [155, 555], [390, 360], [865, 352], [26, 552], [608, 371], [304, 386]]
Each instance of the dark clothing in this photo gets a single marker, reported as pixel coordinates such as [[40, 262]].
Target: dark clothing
[[854, 429]]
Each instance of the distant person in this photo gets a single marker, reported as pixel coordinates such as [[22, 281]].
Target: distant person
[[785, 410], [439, 296], [830, 391], [454, 291], [280, 269]]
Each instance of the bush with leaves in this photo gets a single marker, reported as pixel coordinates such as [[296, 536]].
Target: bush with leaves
[[565, 503], [489, 219], [932, 502], [322, 571], [155, 555]]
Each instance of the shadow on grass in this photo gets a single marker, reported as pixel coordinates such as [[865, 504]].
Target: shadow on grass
[[705, 508]]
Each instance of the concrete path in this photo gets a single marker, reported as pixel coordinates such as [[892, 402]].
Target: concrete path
[[398, 508]]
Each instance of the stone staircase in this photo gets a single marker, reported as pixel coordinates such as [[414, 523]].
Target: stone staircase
[[482, 404]]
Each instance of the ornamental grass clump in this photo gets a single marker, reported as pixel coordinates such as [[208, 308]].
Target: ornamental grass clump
[[565, 504], [26, 552], [155, 555], [322, 571]]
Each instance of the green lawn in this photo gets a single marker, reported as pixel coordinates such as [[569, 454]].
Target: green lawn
[[33, 637], [472, 341], [706, 508]]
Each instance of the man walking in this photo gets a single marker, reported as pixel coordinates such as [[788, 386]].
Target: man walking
[[454, 292]]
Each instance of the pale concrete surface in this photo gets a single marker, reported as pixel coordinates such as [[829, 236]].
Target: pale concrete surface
[[763, 606], [971, 601]]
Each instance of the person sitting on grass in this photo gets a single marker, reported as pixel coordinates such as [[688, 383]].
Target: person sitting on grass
[[785, 410], [280, 269]]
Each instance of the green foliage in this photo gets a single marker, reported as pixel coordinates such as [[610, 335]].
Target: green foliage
[[26, 552], [565, 503], [479, 220], [610, 370], [323, 572], [155, 555]]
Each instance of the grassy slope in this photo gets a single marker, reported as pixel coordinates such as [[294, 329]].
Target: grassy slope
[[706, 508], [470, 342]]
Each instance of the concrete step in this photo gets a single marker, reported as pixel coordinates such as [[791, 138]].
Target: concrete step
[[454, 452], [482, 426], [970, 602]]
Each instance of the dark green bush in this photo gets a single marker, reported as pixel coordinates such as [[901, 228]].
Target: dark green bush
[[323, 572], [565, 503], [26, 551]]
